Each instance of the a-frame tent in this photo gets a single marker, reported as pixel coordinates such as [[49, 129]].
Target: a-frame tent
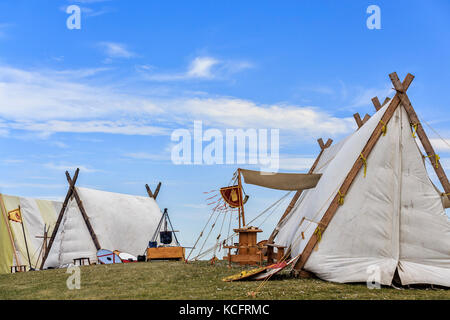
[[375, 209], [91, 220]]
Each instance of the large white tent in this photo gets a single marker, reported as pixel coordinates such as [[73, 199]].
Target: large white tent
[[375, 207]]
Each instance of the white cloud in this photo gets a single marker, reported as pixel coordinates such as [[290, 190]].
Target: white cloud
[[48, 101], [116, 50], [363, 96], [201, 68]]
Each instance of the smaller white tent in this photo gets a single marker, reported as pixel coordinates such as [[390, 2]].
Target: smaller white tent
[[36, 214], [118, 221]]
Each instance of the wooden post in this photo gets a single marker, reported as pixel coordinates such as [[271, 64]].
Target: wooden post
[[157, 191], [60, 216], [25, 238], [149, 191], [8, 227], [241, 199], [386, 101], [84, 214], [331, 211], [358, 120], [299, 192], [414, 119], [376, 103], [366, 118]]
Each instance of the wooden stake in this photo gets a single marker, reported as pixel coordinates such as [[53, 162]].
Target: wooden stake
[[299, 192], [414, 119], [149, 191], [241, 207], [157, 191], [376, 103], [329, 214], [386, 101], [366, 118], [358, 120], [25, 238], [60, 216]]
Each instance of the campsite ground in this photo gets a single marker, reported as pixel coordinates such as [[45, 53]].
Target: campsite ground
[[177, 280]]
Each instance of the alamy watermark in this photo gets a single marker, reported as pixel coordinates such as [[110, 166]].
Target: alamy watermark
[[374, 20], [234, 146], [74, 20], [74, 281]]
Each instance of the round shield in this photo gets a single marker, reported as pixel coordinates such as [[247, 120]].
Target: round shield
[[107, 257]]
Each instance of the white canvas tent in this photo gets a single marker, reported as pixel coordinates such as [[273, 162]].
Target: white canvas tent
[[375, 208], [36, 215], [91, 220]]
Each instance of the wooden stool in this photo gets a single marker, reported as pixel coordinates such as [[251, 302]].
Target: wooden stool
[[82, 261], [15, 269]]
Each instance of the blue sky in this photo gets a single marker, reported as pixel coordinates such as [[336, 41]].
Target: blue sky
[[106, 98]]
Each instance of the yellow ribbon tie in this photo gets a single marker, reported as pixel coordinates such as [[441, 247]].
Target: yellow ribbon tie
[[384, 128], [318, 233], [341, 198], [414, 125], [436, 158], [365, 164]]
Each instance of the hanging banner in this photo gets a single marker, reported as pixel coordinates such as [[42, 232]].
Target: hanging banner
[[15, 215], [231, 195]]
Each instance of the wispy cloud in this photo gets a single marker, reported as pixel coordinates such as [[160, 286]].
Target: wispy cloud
[[116, 50], [201, 68], [47, 102]]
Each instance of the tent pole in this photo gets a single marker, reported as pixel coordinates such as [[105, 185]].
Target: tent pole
[[84, 214], [299, 192], [60, 216], [241, 203], [421, 134], [25, 238], [329, 214], [8, 227]]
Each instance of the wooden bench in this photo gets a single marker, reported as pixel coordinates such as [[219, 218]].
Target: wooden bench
[[22, 268], [82, 261]]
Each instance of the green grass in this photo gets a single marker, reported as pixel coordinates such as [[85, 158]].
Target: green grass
[[177, 280]]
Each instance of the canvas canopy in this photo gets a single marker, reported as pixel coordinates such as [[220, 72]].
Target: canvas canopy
[[35, 214], [281, 181], [391, 219], [120, 222]]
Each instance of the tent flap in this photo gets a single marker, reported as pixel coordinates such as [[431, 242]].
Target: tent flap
[[281, 181]]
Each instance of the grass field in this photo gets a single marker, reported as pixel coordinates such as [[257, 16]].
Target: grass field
[[177, 280]]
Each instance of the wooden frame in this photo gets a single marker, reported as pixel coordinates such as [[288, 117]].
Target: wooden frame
[[297, 195], [331, 211]]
